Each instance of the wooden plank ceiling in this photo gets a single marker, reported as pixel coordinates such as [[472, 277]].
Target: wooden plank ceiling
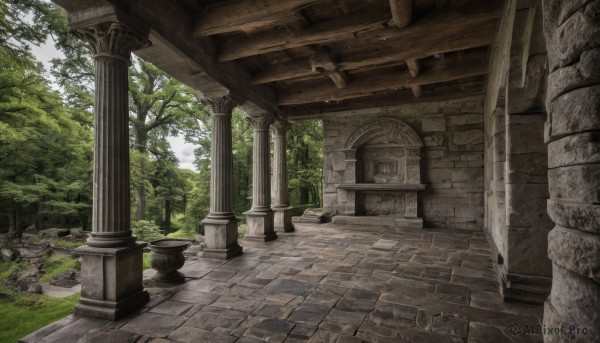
[[322, 56]]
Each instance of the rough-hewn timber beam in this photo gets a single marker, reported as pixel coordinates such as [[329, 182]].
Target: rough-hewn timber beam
[[471, 38], [171, 26], [402, 11], [319, 111], [434, 74], [244, 15], [434, 23]]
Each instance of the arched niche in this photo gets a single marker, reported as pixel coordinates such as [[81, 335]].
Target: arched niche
[[383, 151]]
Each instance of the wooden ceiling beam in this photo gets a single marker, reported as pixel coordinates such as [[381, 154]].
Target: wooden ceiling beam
[[474, 37], [436, 73], [402, 11], [434, 23], [322, 110], [414, 67], [317, 34], [244, 15]]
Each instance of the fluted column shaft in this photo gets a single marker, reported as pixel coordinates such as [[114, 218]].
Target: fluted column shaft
[[112, 44], [221, 167], [261, 164], [280, 174], [572, 32]]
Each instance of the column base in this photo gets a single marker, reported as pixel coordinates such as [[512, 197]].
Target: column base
[[111, 282], [220, 236], [283, 218], [260, 226]]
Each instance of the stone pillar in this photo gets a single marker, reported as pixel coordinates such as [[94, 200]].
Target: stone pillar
[[260, 218], [111, 268], [572, 32], [221, 225], [283, 210]]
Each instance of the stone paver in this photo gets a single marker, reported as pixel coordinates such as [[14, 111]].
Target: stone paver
[[329, 283]]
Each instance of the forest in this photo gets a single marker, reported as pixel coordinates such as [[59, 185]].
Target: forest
[[46, 136]]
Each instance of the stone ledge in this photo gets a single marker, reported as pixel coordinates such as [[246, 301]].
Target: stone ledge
[[388, 221], [382, 186]]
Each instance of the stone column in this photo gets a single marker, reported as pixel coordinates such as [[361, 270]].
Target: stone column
[[572, 32], [111, 269], [283, 210], [260, 217], [221, 225]]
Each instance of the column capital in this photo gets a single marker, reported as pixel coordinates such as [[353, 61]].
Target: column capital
[[112, 39], [280, 128], [261, 121], [222, 105]]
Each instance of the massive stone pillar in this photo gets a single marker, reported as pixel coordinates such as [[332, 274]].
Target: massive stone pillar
[[283, 210], [260, 217], [221, 225], [572, 32], [111, 269]]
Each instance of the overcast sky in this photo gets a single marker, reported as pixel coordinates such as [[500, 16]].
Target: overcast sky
[[184, 151]]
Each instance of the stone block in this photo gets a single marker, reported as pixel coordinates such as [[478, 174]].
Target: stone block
[[526, 206], [283, 219], [220, 237], [338, 159], [575, 250], [438, 175], [526, 251], [433, 141], [525, 134], [467, 174], [111, 282], [468, 137], [433, 124], [260, 226], [527, 168], [435, 152], [576, 149], [573, 112], [458, 119], [585, 217], [577, 184], [577, 75]]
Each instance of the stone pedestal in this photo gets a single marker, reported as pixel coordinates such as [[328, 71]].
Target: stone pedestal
[[283, 218], [282, 208], [260, 226], [111, 281], [221, 225], [220, 236], [260, 218]]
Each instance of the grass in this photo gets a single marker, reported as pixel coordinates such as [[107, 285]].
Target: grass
[[242, 230], [147, 256], [7, 268], [182, 234], [59, 243], [23, 314], [56, 266]]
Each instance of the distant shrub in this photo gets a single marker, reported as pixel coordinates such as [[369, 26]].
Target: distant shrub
[[146, 231]]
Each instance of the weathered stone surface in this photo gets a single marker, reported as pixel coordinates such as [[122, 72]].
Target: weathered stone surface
[[212, 317], [154, 324], [468, 137], [575, 184], [526, 251], [580, 31], [575, 250], [467, 174], [580, 74], [191, 334], [526, 206], [576, 298], [433, 124], [574, 111], [582, 216], [575, 149]]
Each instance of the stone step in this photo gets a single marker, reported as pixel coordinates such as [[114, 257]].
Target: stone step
[[387, 221]]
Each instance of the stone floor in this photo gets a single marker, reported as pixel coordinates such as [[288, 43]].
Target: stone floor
[[327, 283]]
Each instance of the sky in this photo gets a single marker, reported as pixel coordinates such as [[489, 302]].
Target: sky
[[182, 150]]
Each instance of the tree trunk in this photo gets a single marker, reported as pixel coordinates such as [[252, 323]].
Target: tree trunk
[[140, 199], [167, 217]]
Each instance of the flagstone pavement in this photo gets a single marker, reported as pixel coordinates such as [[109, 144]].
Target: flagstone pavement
[[326, 283]]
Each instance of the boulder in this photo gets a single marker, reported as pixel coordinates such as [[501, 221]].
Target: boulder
[[8, 254], [311, 215], [54, 232], [28, 284], [77, 233]]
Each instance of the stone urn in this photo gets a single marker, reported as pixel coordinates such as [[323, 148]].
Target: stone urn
[[167, 259]]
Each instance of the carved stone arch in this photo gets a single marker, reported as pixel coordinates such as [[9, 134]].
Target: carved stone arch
[[386, 130]]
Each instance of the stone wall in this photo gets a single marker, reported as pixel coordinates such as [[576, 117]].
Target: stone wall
[[451, 164]]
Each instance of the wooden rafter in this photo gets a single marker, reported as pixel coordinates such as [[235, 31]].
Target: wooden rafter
[[435, 73], [433, 23], [402, 11], [245, 15], [397, 53]]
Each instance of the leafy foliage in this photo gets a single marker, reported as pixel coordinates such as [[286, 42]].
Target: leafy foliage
[[146, 231]]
